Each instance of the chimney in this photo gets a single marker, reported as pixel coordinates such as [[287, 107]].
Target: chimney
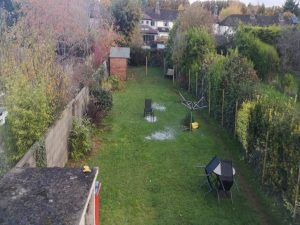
[[157, 8]]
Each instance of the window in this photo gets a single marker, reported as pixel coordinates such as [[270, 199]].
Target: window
[[152, 23], [147, 22], [166, 23]]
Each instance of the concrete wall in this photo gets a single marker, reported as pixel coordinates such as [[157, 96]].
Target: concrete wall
[[56, 137], [118, 67]]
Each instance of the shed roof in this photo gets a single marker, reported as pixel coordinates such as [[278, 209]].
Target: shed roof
[[44, 195], [119, 52]]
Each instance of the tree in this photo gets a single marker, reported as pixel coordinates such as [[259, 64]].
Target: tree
[[261, 9], [67, 20], [166, 4], [195, 16], [233, 9], [198, 44], [289, 48], [291, 6], [127, 15], [35, 85]]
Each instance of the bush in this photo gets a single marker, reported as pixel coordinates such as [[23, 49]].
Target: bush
[[102, 99], [138, 56], [276, 115], [289, 84], [269, 35], [80, 142], [264, 57], [236, 76]]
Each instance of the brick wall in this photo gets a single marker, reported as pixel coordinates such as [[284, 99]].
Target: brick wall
[[118, 66]]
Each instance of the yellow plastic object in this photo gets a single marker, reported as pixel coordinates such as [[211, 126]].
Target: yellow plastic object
[[86, 169], [195, 125]]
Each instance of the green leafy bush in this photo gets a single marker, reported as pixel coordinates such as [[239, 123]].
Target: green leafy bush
[[102, 99], [289, 84], [236, 76], [276, 115], [269, 35], [199, 43], [80, 142], [264, 56]]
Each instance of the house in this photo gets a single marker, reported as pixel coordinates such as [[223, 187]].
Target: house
[[49, 196], [118, 62], [228, 25], [160, 20]]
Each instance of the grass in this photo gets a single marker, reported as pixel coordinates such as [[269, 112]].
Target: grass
[[156, 182]]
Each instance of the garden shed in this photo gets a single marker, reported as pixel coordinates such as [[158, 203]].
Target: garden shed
[[49, 196], [118, 62]]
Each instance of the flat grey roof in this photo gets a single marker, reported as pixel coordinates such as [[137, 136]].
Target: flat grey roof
[[44, 195], [119, 52]]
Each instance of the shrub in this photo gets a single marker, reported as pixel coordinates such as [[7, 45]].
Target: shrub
[[289, 84], [264, 57], [80, 142], [276, 115], [235, 75], [138, 56], [269, 35], [102, 99]]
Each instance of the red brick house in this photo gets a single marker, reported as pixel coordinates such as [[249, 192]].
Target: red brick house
[[118, 62]]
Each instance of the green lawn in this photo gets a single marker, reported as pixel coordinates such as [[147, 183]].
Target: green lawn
[[156, 182]]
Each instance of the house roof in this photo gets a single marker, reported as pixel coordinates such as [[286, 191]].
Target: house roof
[[119, 52], [165, 14], [145, 29], [44, 195], [235, 19]]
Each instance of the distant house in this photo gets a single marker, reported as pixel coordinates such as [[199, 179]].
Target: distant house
[[49, 196], [118, 62], [149, 34], [159, 20], [230, 22]]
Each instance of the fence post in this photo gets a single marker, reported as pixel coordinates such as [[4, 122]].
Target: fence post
[[146, 65], [189, 80], [223, 93], [209, 97], [296, 196], [196, 85], [164, 66], [265, 158], [235, 119]]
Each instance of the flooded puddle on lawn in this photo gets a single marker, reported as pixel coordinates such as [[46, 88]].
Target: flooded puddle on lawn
[[166, 134], [158, 107], [151, 119]]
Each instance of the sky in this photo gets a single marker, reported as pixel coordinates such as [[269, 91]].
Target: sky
[[255, 2]]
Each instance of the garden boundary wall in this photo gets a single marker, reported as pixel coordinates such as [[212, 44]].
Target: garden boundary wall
[[56, 137]]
